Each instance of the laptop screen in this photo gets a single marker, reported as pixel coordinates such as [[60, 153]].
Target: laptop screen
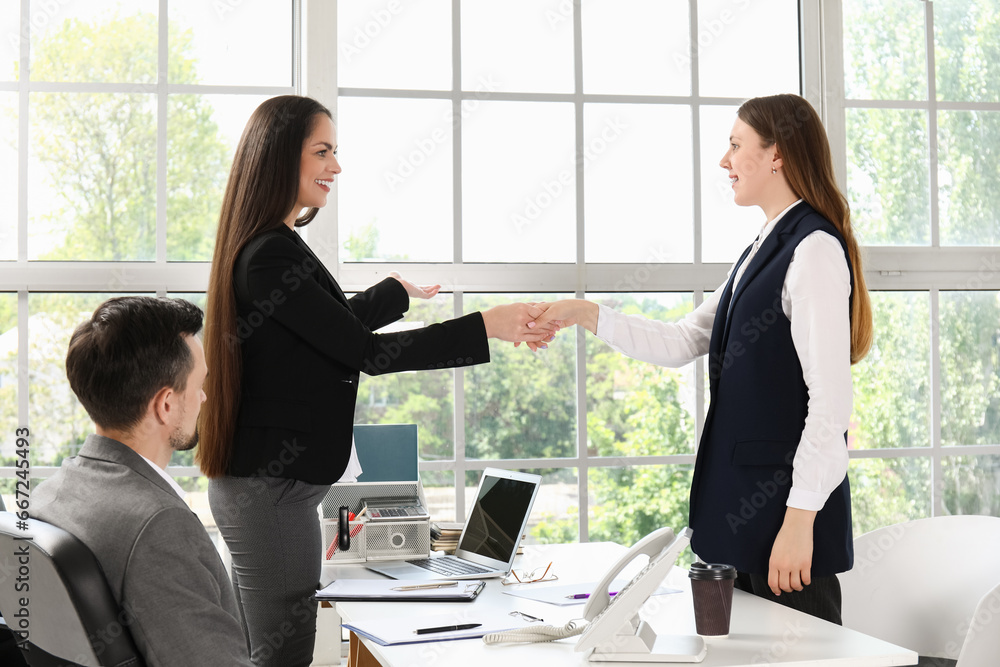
[[498, 516]]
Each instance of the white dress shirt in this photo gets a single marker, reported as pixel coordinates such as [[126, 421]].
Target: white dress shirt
[[817, 281], [163, 473]]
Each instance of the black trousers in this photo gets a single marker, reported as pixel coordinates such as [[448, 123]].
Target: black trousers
[[821, 598]]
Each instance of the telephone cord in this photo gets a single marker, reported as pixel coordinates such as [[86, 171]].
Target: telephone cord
[[538, 633]]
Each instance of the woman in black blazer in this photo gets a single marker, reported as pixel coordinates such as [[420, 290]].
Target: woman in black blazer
[[285, 349]]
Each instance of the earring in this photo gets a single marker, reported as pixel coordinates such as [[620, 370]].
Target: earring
[[773, 170]]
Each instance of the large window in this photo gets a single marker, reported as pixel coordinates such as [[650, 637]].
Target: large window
[[544, 150], [119, 120], [523, 150], [920, 127]]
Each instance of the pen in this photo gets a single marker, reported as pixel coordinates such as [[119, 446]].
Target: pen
[[419, 587], [447, 628], [584, 596]]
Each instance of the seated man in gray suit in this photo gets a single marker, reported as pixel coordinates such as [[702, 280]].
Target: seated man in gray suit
[[137, 367]]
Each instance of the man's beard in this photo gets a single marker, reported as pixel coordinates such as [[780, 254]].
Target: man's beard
[[182, 443]]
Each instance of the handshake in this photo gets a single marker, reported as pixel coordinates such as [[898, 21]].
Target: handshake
[[536, 324], [533, 324]]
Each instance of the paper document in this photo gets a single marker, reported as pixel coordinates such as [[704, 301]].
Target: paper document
[[402, 590], [403, 629], [562, 594]]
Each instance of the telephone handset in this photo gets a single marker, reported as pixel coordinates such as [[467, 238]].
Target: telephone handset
[[651, 545], [615, 631]]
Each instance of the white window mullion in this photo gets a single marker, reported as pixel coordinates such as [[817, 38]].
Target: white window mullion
[[162, 114], [932, 124], [937, 488]]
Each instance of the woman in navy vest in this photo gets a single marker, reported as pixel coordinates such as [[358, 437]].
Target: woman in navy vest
[[770, 493]]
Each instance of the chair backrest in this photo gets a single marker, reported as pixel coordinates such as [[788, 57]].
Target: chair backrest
[[70, 611], [982, 642], [917, 584]]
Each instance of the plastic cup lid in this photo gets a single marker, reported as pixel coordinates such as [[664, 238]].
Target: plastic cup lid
[[712, 571]]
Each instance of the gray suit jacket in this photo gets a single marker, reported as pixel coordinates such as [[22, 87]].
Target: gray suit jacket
[[162, 567]]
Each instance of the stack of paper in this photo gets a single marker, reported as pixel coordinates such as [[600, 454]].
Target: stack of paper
[[403, 629], [444, 536], [401, 590]]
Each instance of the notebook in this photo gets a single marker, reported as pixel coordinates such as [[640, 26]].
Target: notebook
[[489, 540]]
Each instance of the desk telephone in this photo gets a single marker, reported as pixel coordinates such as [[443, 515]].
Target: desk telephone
[[614, 630]]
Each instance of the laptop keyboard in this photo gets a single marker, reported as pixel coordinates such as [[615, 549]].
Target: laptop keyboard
[[449, 566]]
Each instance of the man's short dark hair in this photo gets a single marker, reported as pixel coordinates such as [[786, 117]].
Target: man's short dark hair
[[131, 348]]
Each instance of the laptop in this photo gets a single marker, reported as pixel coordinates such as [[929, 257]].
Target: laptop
[[489, 540]]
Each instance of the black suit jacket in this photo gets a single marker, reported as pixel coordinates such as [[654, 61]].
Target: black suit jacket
[[304, 344]]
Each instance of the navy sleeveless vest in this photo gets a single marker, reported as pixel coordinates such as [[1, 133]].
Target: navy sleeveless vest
[[743, 471]]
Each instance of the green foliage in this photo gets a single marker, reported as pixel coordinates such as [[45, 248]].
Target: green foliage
[[101, 147], [362, 243]]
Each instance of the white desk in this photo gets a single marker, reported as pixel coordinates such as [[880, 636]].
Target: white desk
[[761, 632]]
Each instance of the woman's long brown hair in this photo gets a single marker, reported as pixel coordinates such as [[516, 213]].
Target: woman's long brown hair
[[791, 123], [261, 192]]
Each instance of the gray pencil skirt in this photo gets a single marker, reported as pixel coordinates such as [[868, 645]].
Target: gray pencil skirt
[[271, 526]]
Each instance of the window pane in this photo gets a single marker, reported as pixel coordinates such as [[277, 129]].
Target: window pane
[[630, 502], [970, 364], [202, 133], [11, 28], [971, 485], [424, 398], [85, 41], [889, 491], [519, 179], [555, 516], [967, 177], [92, 184], [56, 418], [892, 384], [636, 47], [639, 206], [727, 229], [517, 45], [521, 404], [8, 389], [635, 408], [395, 198], [966, 35], [439, 491], [733, 61], [885, 50], [395, 44], [246, 43], [888, 176], [9, 176]]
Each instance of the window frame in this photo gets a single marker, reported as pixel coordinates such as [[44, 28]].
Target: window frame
[[930, 269]]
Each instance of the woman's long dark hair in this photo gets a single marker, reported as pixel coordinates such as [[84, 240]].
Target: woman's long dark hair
[[790, 122], [262, 190]]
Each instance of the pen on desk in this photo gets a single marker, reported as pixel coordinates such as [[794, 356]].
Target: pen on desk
[[584, 596], [419, 587], [447, 628]]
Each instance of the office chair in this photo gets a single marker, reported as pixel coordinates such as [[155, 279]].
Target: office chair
[[918, 584], [982, 643], [73, 617]]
